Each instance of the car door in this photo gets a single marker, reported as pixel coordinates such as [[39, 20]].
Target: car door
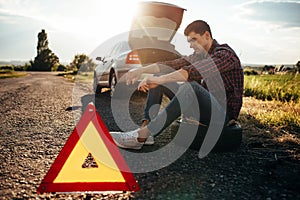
[[103, 70], [120, 64]]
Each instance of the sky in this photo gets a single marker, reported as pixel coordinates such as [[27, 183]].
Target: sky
[[260, 32]]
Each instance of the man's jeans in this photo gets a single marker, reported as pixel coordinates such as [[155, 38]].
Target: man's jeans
[[155, 96], [191, 100]]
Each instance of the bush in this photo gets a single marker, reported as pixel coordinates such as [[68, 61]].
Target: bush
[[249, 72], [7, 68], [61, 68], [22, 67]]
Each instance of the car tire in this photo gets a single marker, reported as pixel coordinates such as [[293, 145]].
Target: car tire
[[97, 88], [112, 83]]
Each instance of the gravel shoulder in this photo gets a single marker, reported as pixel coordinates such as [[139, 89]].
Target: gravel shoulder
[[36, 120]]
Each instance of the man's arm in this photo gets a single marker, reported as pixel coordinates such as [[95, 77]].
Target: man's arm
[[133, 75], [220, 61], [176, 76], [150, 69], [165, 66], [152, 81]]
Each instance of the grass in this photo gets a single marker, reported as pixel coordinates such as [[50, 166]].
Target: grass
[[284, 88], [83, 77], [265, 120], [274, 113], [86, 77], [282, 92], [11, 74]]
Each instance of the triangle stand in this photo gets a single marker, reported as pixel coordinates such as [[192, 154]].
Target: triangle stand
[[90, 140]]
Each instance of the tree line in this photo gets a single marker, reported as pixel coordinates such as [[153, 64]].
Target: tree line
[[47, 60]]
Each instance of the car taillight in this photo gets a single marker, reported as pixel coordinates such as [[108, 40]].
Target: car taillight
[[132, 58]]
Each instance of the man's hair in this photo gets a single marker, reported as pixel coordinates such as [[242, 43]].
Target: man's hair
[[198, 26]]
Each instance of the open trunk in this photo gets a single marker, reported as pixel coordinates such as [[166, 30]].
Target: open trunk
[[152, 30]]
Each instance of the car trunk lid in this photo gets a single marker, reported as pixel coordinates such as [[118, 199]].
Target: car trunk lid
[[152, 30]]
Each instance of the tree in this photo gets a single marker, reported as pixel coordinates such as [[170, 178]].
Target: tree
[[298, 66], [42, 42], [82, 62], [59, 68], [45, 60]]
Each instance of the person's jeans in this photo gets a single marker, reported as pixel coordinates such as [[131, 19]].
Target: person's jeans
[[154, 99], [191, 100]]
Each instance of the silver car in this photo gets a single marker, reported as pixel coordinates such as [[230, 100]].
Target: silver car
[[149, 41]]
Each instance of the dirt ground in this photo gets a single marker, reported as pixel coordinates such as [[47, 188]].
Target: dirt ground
[[37, 117]]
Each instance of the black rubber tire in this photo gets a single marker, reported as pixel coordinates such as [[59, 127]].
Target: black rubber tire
[[112, 83], [96, 87]]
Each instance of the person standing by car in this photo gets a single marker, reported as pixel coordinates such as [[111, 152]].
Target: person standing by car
[[208, 56]]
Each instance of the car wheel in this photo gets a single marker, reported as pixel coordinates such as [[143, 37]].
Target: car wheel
[[113, 83], [97, 88]]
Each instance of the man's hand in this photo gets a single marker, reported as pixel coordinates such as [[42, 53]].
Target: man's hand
[[132, 76], [148, 83], [135, 74]]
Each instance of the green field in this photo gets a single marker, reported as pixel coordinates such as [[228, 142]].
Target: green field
[[284, 88], [281, 95]]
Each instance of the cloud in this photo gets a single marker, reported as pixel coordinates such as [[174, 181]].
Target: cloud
[[284, 14], [27, 8]]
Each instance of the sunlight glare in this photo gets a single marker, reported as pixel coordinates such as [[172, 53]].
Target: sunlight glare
[[115, 17]]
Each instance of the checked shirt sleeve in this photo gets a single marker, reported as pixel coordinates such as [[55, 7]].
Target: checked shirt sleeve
[[168, 66], [219, 62]]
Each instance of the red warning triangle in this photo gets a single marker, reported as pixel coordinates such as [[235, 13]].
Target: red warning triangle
[[90, 140]]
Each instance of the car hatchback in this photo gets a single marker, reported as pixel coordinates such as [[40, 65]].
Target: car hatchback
[[149, 41]]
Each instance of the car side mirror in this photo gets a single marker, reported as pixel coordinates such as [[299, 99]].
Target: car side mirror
[[101, 59]]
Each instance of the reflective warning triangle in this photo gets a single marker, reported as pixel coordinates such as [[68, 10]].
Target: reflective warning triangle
[[89, 140]]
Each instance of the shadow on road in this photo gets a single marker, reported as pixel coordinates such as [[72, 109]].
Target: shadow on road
[[103, 105]]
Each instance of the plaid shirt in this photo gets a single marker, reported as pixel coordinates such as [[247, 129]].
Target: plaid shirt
[[222, 61]]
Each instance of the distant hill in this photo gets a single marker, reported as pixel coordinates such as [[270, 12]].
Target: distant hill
[[19, 62], [13, 62], [256, 66]]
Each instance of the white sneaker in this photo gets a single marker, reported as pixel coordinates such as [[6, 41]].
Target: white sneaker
[[150, 140], [127, 140]]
